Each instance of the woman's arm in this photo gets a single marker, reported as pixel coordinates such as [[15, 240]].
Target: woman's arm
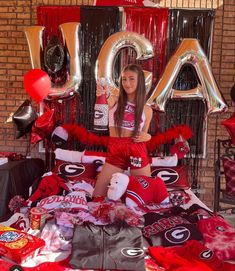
[[111, 99], [100, 90], [143, 135]]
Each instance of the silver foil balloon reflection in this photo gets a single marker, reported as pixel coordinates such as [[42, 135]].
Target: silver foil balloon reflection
[[70, 34], [189, 52], [54, 55], [34, 38], [110, 49]]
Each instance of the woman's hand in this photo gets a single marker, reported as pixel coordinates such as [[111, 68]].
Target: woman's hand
[[142, 137], [106, 89], [102, 88]]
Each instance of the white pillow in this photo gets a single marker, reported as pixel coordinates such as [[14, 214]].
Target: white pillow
[[167, 161], [91, 156], [68, 156]]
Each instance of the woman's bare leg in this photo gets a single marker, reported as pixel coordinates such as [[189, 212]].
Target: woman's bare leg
[[104, 178], [145, 171]]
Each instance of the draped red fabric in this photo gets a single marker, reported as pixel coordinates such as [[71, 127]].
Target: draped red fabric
[[152, 24], [52, 16]]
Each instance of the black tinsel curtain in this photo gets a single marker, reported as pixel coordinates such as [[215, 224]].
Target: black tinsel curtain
[[98, 23], [198, 24]]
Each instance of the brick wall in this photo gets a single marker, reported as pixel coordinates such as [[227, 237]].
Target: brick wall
[[14, 62]]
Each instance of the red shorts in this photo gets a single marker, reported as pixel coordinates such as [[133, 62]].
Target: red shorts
[[124, 152]]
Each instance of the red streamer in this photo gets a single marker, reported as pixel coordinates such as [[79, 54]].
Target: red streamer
[[89, 138], [84, 136], [168, 136]]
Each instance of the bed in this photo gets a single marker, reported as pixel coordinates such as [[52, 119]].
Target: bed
[[83, 235]]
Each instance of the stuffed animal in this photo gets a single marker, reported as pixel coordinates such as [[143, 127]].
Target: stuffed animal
[[49, 185], [138, 190], [180, 148]]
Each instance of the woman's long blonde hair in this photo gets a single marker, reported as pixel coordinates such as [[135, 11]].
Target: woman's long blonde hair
[[140, 99]]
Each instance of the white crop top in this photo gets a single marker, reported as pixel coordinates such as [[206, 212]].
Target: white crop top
[[128, 118]]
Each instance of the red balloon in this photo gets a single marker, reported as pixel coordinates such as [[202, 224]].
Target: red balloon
[[230, 126], [37, 83]]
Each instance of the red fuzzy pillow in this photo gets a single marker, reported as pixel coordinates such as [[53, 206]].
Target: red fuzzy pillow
[[75, 171], [173, 177]]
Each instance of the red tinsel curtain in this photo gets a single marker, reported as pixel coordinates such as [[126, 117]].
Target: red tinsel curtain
[[152, 24], [52, 16]]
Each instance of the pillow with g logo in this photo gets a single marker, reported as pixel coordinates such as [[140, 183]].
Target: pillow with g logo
[[173, 177], [75, 171]]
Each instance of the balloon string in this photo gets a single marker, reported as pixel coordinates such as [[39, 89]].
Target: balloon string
[[28, 147]]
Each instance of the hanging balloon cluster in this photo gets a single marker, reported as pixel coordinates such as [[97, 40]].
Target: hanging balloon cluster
[[36, 83], [230, 122], [42, 87]]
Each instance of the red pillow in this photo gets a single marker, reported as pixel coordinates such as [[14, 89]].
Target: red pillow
[[173, 177], [75, 171], [229, 172]]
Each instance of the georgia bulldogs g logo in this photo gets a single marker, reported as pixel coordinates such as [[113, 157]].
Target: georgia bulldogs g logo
[[206, 254], [132, 252], [177, 235], [98, 114], [220, 228], [71, 170], [168, 175]]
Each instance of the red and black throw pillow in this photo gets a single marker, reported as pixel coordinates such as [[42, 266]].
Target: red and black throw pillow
[[75, 171], [173, 177], [229, 171]]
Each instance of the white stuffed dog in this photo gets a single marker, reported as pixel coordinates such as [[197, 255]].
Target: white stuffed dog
[[139, 190]]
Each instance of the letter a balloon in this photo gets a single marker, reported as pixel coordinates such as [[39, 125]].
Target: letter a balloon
[[37, 84]]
